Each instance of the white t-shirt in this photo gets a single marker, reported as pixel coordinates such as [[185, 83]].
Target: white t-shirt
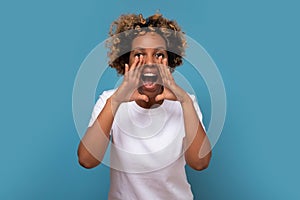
[[146, 155]]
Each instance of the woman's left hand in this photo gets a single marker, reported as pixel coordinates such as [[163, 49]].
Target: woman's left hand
[[171, 90]]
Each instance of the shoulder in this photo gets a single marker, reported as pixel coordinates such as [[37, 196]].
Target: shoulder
[[193, 97], [105, 95], [102, 98], [100, 104]]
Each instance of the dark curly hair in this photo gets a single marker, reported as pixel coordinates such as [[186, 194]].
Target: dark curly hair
[[127, 27]]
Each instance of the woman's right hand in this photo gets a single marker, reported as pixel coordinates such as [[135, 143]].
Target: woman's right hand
[[128, 90]]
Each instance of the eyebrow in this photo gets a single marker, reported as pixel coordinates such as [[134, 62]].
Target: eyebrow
[[157, 48]]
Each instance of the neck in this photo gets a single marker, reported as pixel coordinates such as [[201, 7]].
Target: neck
[[150, 104]]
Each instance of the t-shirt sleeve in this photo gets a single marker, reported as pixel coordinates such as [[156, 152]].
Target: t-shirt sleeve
[[198, 110], [99, 105]]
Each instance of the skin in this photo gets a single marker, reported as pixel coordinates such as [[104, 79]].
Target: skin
[[149, 49]]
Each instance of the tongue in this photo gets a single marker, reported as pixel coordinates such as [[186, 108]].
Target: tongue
[[149, 85]]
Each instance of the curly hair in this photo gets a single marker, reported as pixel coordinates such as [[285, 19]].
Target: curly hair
[[127, 27]]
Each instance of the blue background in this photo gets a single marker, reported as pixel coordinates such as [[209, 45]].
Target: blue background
[[255, 45]]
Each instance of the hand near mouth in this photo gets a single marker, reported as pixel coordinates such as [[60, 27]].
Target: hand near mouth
[[171, 90], [128, 89]]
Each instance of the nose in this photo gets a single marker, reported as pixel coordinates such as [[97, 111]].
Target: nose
[[149, 60]]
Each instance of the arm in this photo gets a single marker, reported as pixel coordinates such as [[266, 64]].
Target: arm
[[93, 145], [196, 144]]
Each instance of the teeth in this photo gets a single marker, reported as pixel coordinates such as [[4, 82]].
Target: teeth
[[149, 77], [149, 74]]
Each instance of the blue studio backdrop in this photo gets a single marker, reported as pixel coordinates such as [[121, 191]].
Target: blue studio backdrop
[[255, 45]]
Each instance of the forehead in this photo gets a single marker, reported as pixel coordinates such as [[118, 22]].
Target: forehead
[[149, 40]]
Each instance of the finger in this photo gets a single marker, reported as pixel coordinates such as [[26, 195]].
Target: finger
[[165, 66], [160, 60], [160, 67], [137, 96], [135, 62], [160, 64], [126, 68], [165, 62], [139, 66], [126, 71], [162, 71], [168, 70], [140, 60]]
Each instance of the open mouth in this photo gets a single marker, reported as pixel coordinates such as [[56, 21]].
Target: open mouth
[[149, 77], [149, 80]]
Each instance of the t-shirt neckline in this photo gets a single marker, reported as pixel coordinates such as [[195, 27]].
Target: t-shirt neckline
[[150, 110]]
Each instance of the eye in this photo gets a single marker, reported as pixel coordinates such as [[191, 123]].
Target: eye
[[157, 55], [138, 54]]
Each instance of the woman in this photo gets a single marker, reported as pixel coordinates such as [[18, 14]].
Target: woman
[[154, 125]]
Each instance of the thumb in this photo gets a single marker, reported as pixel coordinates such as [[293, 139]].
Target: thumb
[[159, 97], [142, 97]]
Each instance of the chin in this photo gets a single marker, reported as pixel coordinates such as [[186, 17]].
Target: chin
[[151, 93]]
